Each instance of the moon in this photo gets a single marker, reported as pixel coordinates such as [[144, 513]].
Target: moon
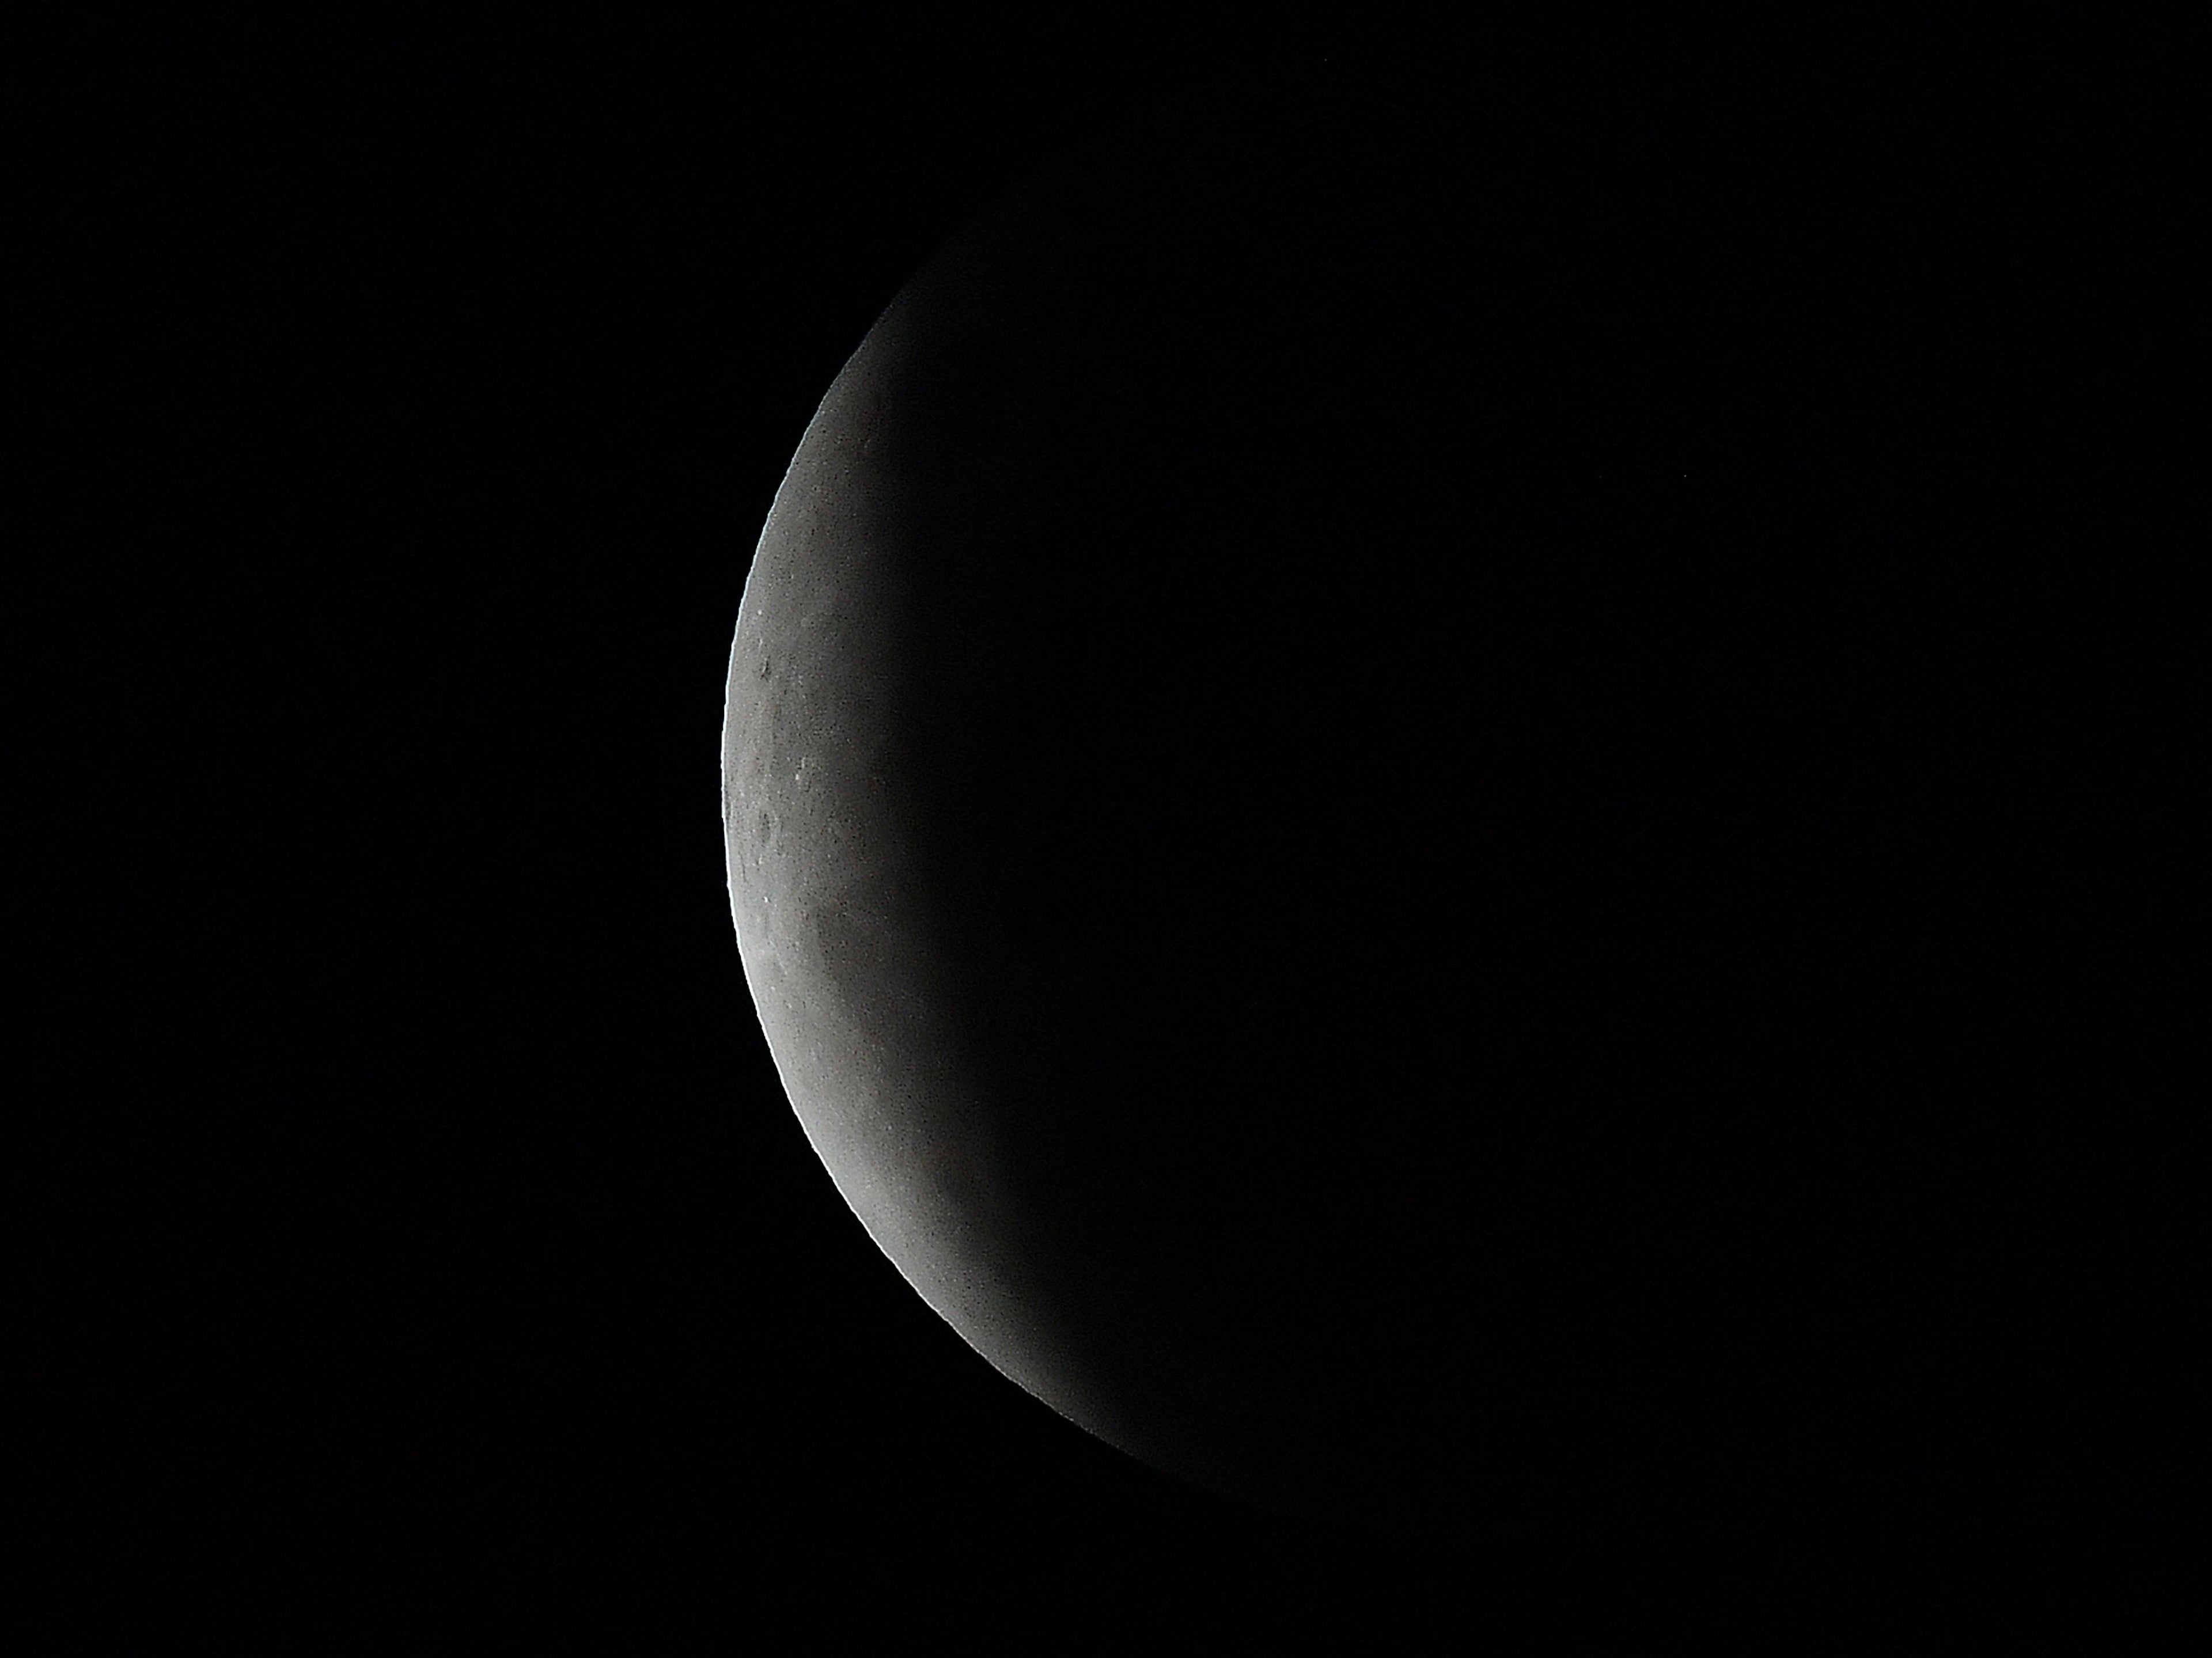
[[830, 894], [1320, 815]]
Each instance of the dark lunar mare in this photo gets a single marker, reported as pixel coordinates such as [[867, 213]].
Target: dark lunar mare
[[1429, 725]]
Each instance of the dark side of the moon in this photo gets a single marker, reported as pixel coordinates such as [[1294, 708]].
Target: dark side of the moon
[[1403, 786]]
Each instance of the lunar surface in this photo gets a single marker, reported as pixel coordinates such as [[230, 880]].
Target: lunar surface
[[1371, 798], [830, 900]]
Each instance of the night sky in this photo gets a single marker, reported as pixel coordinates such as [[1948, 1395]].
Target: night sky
[[442, 1256], [452, 1257]]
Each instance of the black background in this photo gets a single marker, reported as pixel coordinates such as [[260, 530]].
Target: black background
[[437, 1252]]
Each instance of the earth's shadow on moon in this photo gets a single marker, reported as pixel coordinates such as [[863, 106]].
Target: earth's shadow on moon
[[1344, 788]]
